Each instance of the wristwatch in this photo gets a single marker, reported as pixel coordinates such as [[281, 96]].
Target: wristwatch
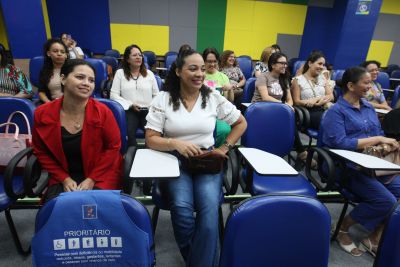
[[228, 145]]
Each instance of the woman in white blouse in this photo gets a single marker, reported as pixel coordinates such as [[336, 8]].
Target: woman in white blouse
[[134, 88], [312, 90], [182, 119]]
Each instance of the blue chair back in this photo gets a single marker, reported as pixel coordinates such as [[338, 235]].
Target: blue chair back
[[383, 79], [112, 61], [258, 229], [248, 90], [119, 114], [159, 82], [112, 53], [35, 66], [101, 73], [297, 65], [392, 67], [388, 251], [246, 65], [270, 127], [124, 224], [337, 74], [151, 58], [396, 97], [291, 64], [170, 57]]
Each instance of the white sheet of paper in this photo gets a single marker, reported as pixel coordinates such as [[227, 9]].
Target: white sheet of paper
[[382, 111], [150, 163]]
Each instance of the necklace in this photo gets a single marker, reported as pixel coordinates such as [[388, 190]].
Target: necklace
[[135, 79], [75, 121]]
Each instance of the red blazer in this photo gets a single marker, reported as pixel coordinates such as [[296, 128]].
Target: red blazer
[[100, 145]]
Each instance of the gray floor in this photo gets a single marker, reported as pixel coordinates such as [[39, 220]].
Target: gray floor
[[166, 250]]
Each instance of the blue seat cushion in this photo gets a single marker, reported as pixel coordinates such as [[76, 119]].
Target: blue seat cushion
[[18, 186], [313, 133], [282, 185], [139, 133]]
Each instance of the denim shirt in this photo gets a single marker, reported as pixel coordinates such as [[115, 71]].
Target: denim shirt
[[343, 124]]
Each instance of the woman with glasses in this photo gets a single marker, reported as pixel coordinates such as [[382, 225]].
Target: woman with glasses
[[375, 94], [274, 86], [230, 67], [134, 88], [311, 90], [55, 55]]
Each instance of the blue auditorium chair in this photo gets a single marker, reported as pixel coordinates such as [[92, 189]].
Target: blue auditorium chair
[[170, 58], [291, 64], [35, 66], [271, 128], [151, 58], [101, 74], [112, 61], [388, 250], [395, 78], [297, 65], [337, 74], [159, 82], [93, 228], [11, 184], [277, 230], [113, 53], [391, 67], [248, 90], [396, 97], [384, 80], [246, 65]]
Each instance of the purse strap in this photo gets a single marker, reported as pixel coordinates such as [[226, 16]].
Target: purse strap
[[7, 124], [28, 125]]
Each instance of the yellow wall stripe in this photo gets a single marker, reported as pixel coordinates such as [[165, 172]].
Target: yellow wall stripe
[[3, 32], [380, 51], [253, 25], [46, 19], [390, 7], [148, 37]]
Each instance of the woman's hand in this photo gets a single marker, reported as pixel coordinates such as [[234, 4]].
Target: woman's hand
[[185, 148], [394, 145], [135, 108], [322, 101], [69, 185], [86, 184], [222, 150], [311, 102], [227, 87]]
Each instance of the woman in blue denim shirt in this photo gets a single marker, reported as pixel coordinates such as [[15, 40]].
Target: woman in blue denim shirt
[[352, 124]]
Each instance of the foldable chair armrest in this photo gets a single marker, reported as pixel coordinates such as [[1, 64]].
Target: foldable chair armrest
[[9, 173], [231, 173], [32, 175], [128, 160], [327, 176], [299, 116]]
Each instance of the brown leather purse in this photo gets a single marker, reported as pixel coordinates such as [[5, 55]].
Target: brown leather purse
[[209, 162]]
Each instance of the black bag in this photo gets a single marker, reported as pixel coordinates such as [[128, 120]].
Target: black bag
[[391, 124], [209, 162]]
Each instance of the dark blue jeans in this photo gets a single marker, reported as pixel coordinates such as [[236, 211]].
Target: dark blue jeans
[[197, 236]]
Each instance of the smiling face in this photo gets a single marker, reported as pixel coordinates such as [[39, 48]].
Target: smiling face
[[361, 87], [280, 65], [316, 67], [231, 60], [135, 57], [79, 83], [373, 69], [211, 63], [57, 54], [192, 73]]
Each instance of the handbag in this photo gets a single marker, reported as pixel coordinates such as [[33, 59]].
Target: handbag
[[12, 143], [209, 162], [389, 155]]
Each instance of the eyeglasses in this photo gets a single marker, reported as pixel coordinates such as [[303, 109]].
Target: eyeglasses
[[282, 63], [211, 61]]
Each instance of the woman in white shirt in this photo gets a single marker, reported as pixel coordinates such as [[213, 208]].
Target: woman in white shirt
[[134, 88], [312, 90], [183, 119]]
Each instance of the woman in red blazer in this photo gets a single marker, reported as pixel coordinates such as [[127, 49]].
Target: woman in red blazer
[[75, 137]]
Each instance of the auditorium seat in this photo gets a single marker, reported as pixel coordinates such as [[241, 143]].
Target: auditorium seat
[[169, 58], [246, 65], [113, 53], [248, 90], [101, 74]]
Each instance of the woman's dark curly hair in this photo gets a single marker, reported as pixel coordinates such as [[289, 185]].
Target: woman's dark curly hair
[[173, 82], [125, 64], [48, 67]]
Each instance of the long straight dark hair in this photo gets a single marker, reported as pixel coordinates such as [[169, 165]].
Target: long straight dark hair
[[284, 78], [173, 82]]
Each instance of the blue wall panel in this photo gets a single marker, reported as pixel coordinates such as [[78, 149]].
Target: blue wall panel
[[25, 27], [342, 35], [87, 21]]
